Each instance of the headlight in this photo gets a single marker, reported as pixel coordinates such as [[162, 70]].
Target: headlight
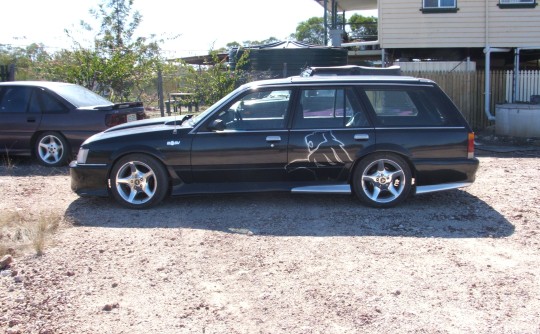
[[82, 155]]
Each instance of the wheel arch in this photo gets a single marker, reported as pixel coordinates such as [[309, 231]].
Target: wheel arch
[[148, 151]]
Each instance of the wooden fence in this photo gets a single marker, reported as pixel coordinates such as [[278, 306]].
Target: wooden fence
[[467, 90]]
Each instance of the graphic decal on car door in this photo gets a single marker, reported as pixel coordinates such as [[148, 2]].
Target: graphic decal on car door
[[323, 150]]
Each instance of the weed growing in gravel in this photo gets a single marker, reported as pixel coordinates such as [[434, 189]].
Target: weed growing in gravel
[[7, 161], [18, 232]]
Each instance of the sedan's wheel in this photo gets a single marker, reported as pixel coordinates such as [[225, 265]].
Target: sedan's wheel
[[382, 180], [51, 149], [138, 181]]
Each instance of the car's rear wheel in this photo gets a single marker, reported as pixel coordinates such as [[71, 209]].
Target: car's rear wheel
[[139, 181], [51, 149], [382, 180]]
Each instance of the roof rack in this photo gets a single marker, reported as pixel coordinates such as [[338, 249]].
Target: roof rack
[[350, 70]]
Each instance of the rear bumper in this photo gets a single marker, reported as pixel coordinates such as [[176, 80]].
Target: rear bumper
[[435, 172], [89, 180]]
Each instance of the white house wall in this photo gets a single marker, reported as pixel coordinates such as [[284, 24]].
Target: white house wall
[[403, 25]]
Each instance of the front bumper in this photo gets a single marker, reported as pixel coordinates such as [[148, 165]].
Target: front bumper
[[89, 180]]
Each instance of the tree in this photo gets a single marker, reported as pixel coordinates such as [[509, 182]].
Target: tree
[[211, 82], [119, 65], [364, 28], [311, 31]]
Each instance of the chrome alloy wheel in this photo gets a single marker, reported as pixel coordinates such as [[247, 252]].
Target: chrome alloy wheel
[[50, 149], [383, 180], [136, 182]]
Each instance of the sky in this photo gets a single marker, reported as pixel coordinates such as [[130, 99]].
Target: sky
[[188, 27]]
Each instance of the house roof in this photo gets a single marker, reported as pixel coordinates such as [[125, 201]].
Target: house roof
[[348, 5]]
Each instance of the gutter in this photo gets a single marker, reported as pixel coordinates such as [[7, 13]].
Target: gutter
[[360, 43]]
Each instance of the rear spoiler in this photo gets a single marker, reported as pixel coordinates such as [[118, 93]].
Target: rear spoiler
[[119, 106]]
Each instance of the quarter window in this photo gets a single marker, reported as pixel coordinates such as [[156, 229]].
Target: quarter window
[[409, 107]]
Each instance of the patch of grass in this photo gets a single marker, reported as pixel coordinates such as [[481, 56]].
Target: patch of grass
[[7, 161], [19, 232]]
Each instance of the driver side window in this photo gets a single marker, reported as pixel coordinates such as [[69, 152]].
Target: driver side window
[[257, 110]]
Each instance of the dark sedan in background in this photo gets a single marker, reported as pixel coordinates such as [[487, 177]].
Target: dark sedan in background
[[382, 138], [50, 120]]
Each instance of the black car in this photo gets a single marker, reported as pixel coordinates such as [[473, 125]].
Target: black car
[[382, 138], [50, 120]]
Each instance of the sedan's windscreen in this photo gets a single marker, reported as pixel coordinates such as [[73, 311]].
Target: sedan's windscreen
[[81, 97]]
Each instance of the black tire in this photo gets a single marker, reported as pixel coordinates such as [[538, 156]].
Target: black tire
[[382, 180], [139, 181], [51, 149]]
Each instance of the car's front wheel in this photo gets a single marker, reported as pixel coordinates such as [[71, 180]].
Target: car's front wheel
[[139, 181], [51, 149], [382, 180]]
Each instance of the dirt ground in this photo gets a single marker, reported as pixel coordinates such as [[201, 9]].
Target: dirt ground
[[462, 261]]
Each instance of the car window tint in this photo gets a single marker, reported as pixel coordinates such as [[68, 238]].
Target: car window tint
[[44, 102], [406, 106], [15, 99], [328, 108], [261, 110]]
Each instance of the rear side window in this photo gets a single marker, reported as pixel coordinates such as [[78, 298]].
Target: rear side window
[[411, 106], [14, 99], [321, 108], [44, 102]]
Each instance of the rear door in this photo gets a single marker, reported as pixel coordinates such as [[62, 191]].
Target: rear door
[[329, 129], [19, 118]]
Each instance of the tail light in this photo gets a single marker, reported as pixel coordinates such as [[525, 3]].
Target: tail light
[[115, 119], [470, 146]]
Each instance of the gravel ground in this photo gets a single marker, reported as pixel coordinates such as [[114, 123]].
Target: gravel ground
[[462, 261]]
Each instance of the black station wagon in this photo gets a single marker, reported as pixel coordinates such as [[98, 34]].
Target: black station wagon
[[382, 138]]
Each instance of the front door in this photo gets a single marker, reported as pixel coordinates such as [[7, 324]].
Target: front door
[[245, 141], [19, 119]]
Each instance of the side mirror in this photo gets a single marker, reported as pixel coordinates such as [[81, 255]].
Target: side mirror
[[217, 125]]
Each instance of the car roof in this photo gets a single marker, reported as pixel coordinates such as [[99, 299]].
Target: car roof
[[44, 84], [340, 79]]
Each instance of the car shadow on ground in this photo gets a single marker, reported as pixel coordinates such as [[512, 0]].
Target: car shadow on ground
[[451, 214]]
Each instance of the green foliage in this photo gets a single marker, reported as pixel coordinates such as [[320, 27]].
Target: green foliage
[[362, 27], [209, 83], [311, 31]]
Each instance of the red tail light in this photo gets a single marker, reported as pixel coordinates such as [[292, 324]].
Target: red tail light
[[470, 146], [115, 119]]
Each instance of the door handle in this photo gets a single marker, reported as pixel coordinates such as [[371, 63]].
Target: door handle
[[361, 136], [30, 120], [273, 139]]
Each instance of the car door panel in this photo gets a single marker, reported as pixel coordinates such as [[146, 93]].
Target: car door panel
[[18, 120]]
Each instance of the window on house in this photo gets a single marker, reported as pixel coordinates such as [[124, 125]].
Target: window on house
[[439, 6], [517, 3]]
